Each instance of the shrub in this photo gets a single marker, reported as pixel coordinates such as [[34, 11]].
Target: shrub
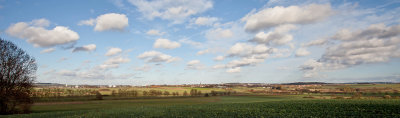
[[99, 96], [387, 96], [206, 95]]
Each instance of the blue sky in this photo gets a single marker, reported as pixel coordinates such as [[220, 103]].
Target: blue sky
[[141, 42]]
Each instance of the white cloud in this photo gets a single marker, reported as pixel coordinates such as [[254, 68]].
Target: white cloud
[[156, 57], [190, 42], [219, 33], [270, 17], [279, 36], [100, 71], [248, 50], [233, 70], [155, 32], [302, 52], [176, 11], [201, 52], [114, 62], [40, 22], [282, 52], [205, 21], [48, 50], [37, 35], [219, 58], [93, 73], [311, 68], [89, 48], [194, 64], [247, 61], [111, 21], [375, 44], [249, 55], [317, 42], [166, 44], [144, 68], [219, 66], [113, 51], [89, 22]]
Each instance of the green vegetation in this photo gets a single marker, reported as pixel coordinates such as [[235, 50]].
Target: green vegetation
[[342, 100], [221, 106]]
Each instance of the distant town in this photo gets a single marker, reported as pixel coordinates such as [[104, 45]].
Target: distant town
[[223, 85]]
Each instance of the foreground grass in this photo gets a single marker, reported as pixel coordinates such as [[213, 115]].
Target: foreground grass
[[227, 106]]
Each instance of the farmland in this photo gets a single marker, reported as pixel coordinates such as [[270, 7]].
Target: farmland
[[221, 106], [316, 100]]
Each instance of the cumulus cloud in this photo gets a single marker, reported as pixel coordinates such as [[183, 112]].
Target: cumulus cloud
[[302, 52], [219, 66], [246, 61], [318, 42], [88, 48], [40, 22], [109, 21], [166, 44], [101, 71], [157, 57], [311, 68], [233, 70], [113, 51], [248, 50], [201, 52], [375, 44], [219, 58], [205, 21], [248, 54], [219, 33], [114, 62], [48, 50], [270, 17], [176, 11], [89, 22], [35, 33], [93, 73], [278, 36], [155, 32], [194, 64]]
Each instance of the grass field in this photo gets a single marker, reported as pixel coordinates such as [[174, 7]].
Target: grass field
[[221, 106]]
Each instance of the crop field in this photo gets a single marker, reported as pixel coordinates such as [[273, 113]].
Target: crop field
[[220, 106], [342, 100]]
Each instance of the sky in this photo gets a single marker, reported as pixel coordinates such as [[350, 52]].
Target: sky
[[145, 42]]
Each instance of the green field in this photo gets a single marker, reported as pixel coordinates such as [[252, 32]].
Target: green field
[[221, 106]]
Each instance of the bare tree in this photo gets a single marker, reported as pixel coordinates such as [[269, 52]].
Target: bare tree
[[17, 72]]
